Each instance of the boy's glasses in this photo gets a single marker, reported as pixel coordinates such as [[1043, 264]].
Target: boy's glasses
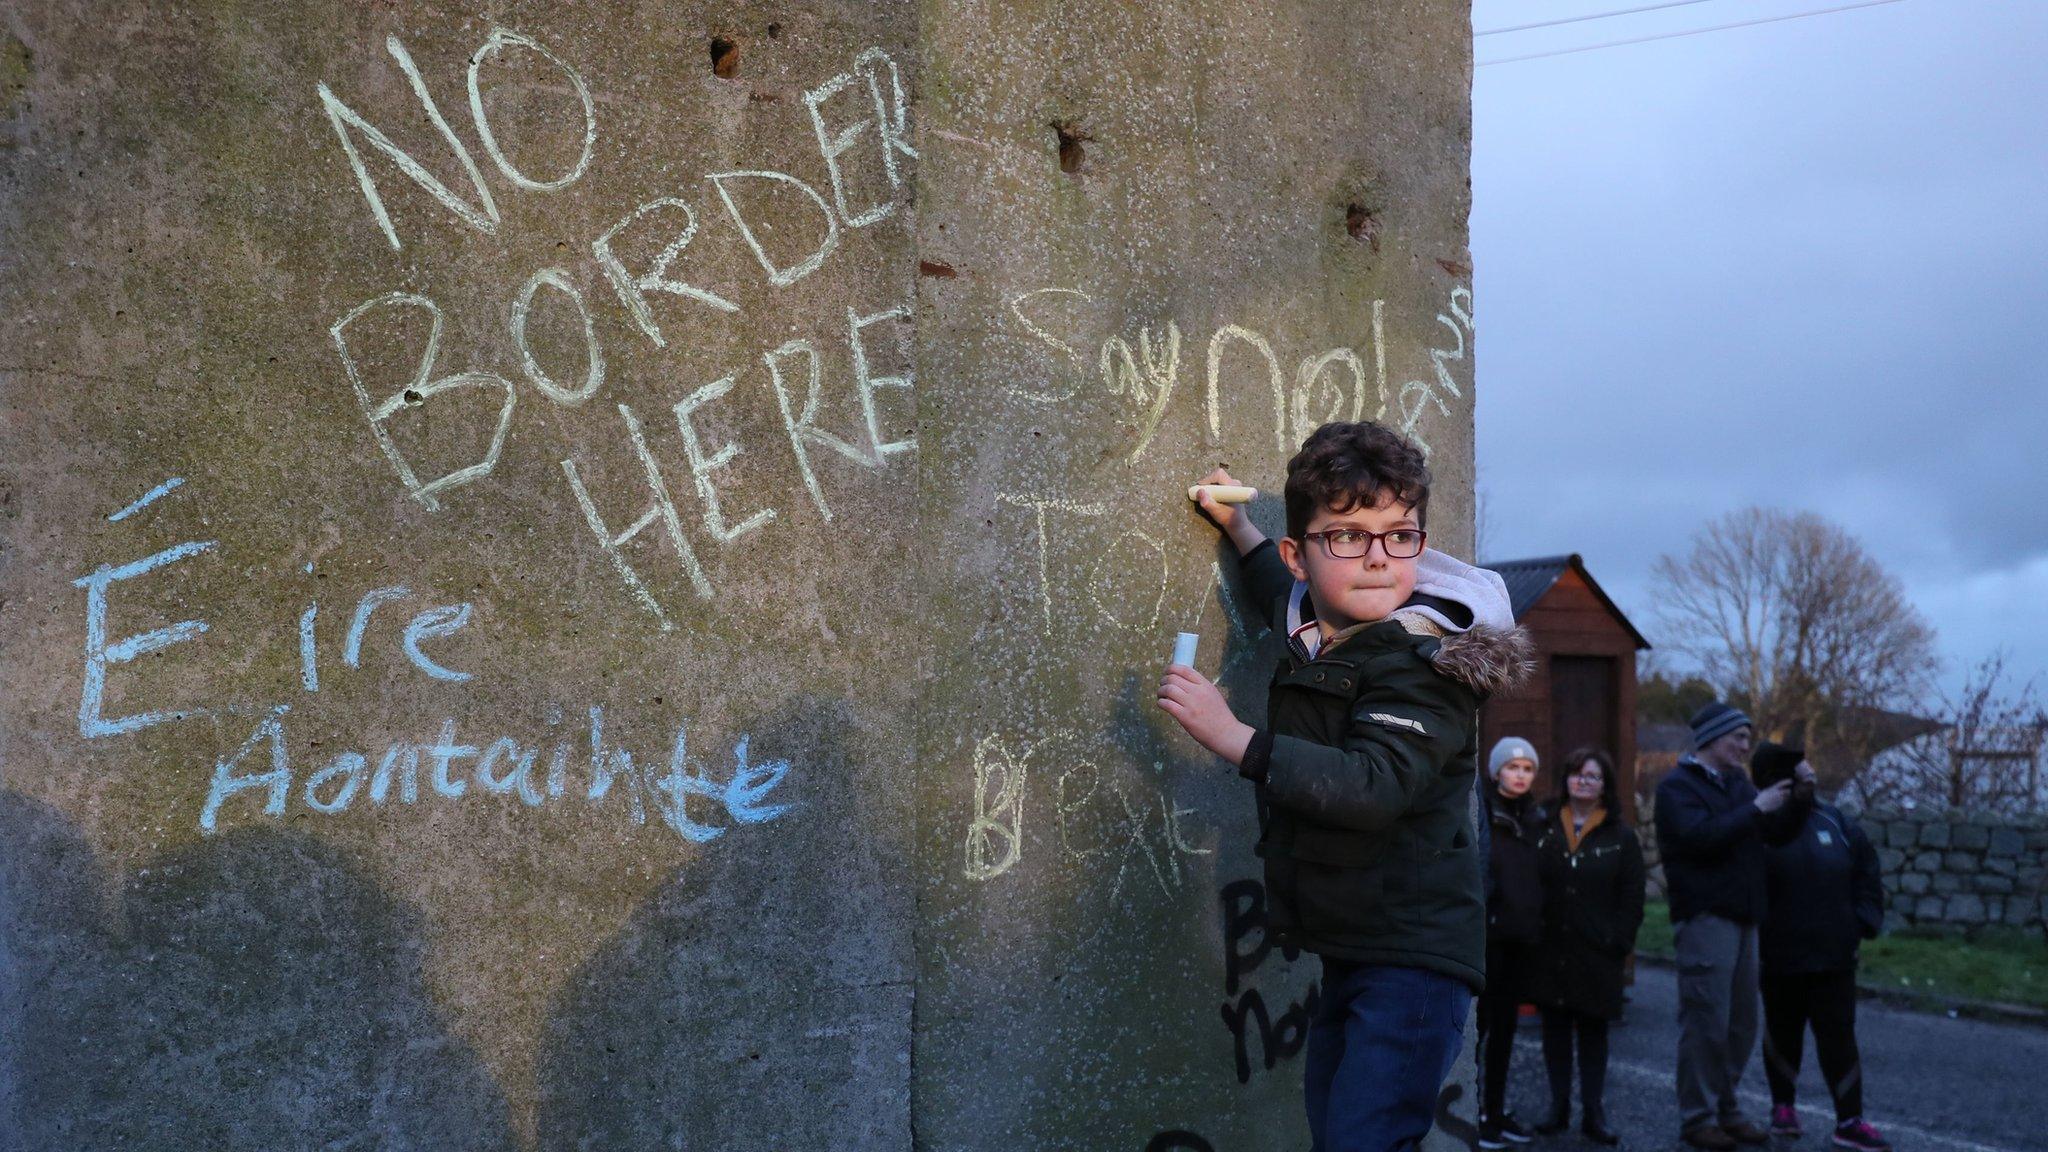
[[1353, 543]]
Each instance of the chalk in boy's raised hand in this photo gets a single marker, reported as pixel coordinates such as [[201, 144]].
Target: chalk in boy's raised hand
[[1196, 705], [1230, 515]]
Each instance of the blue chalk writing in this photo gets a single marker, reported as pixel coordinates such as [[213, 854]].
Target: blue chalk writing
[[350, 767], [309, 664], [446, 620], [148, 498], [445, 752], [99, 654], [750, 783], [352, 649], [674, 790], [403, 759], [278, 779], [686, 797]]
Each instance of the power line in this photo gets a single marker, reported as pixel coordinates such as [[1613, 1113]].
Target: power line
[[1690, 32], [1594, 16]]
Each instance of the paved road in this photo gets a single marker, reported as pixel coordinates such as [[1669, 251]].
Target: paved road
[[1932, 1084]]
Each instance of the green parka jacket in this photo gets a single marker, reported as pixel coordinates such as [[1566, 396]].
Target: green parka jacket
[[1365, 771]]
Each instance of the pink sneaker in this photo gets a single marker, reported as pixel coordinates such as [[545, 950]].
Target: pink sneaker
[[1785, 1121], [1858, 1136]]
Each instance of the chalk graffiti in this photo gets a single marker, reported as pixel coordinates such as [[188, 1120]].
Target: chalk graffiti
[[506, 767], [1129, 832], [415, 392], [347, 124], [1244, 1012], [786, 255], [995, 837], [1148, 374], [1094, 817], [1333, 384], [1416, 395], [146, 499], [696, 803], [101, 655], [891, 124], [499, 40]]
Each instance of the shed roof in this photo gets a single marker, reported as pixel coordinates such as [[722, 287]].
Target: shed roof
[[1529, 580]]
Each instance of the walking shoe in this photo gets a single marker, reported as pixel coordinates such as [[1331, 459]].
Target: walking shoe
[[1558, 1120], [1708, 1137], [1785, 1121], [1742, 1130], [1858, 1136], [1595, 1129], [1512, 1130], [1489, 1134]]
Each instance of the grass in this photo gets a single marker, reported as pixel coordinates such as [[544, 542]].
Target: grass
[[2003, 966]]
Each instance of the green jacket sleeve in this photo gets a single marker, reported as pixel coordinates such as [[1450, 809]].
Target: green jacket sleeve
[[1401, 737], [1267, 583]]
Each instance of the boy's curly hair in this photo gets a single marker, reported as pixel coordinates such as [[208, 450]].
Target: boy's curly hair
[[1343, 466]]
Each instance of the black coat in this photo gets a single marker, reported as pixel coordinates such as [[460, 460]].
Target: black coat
[[1826, 895], [1592, 907], [1713, 840], [1365, 772], [1514, 894]]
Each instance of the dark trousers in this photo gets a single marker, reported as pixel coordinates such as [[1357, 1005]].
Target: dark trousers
[[1560, 1027], [1500, 1009], [1825, 1001], [1380, 1044]]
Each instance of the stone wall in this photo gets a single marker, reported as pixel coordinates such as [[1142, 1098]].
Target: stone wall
[[1954, 870], [1942, 870]]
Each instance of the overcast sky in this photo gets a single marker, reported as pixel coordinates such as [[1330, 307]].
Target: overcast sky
[[1802, 265]]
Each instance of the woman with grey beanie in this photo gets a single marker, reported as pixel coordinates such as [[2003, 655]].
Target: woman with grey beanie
[[1514, 921]]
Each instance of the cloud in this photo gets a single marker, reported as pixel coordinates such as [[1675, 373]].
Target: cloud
[[1801, 266]]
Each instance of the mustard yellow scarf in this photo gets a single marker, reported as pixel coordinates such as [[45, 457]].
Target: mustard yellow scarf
[[1572, 839]]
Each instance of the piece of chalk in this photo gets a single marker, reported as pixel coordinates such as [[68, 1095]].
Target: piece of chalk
[[1223, 493], [1184, 649]]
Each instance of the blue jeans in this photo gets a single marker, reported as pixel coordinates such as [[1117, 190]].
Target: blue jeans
[[1380, 1044]]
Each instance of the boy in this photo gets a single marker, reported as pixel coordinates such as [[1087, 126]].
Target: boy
[[1365, 770]]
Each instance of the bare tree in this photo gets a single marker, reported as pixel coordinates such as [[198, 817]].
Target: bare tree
[[1985, 757], [1802, 627]]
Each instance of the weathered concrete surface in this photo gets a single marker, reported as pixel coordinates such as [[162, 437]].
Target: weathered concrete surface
[[1087, 870], [786, 920]]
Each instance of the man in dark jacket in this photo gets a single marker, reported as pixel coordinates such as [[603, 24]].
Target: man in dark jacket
[[1712, 827], [1826, 897]]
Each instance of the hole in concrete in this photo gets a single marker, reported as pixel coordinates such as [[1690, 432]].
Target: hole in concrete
[[1071, 137], [1363, 225], [413, 396], [725, 58], [775, 31]]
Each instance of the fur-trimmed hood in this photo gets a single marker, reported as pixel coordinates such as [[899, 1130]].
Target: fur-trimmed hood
[[1488, 659], [1465, 606]]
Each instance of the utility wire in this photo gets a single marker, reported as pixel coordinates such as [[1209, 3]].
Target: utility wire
[[1594, 16], [1690, 32]]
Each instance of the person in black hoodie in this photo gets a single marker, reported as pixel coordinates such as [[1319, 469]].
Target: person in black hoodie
[[1514, 919], [1591, 865], [1712, 828], [1826, 896]]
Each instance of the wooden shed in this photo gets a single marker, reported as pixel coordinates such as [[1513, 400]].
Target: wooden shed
[[1584, 689]]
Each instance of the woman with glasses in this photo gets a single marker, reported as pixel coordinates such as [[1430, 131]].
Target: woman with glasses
[[1591, 866]]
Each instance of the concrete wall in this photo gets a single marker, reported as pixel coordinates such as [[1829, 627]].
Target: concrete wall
[[633, 627]]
